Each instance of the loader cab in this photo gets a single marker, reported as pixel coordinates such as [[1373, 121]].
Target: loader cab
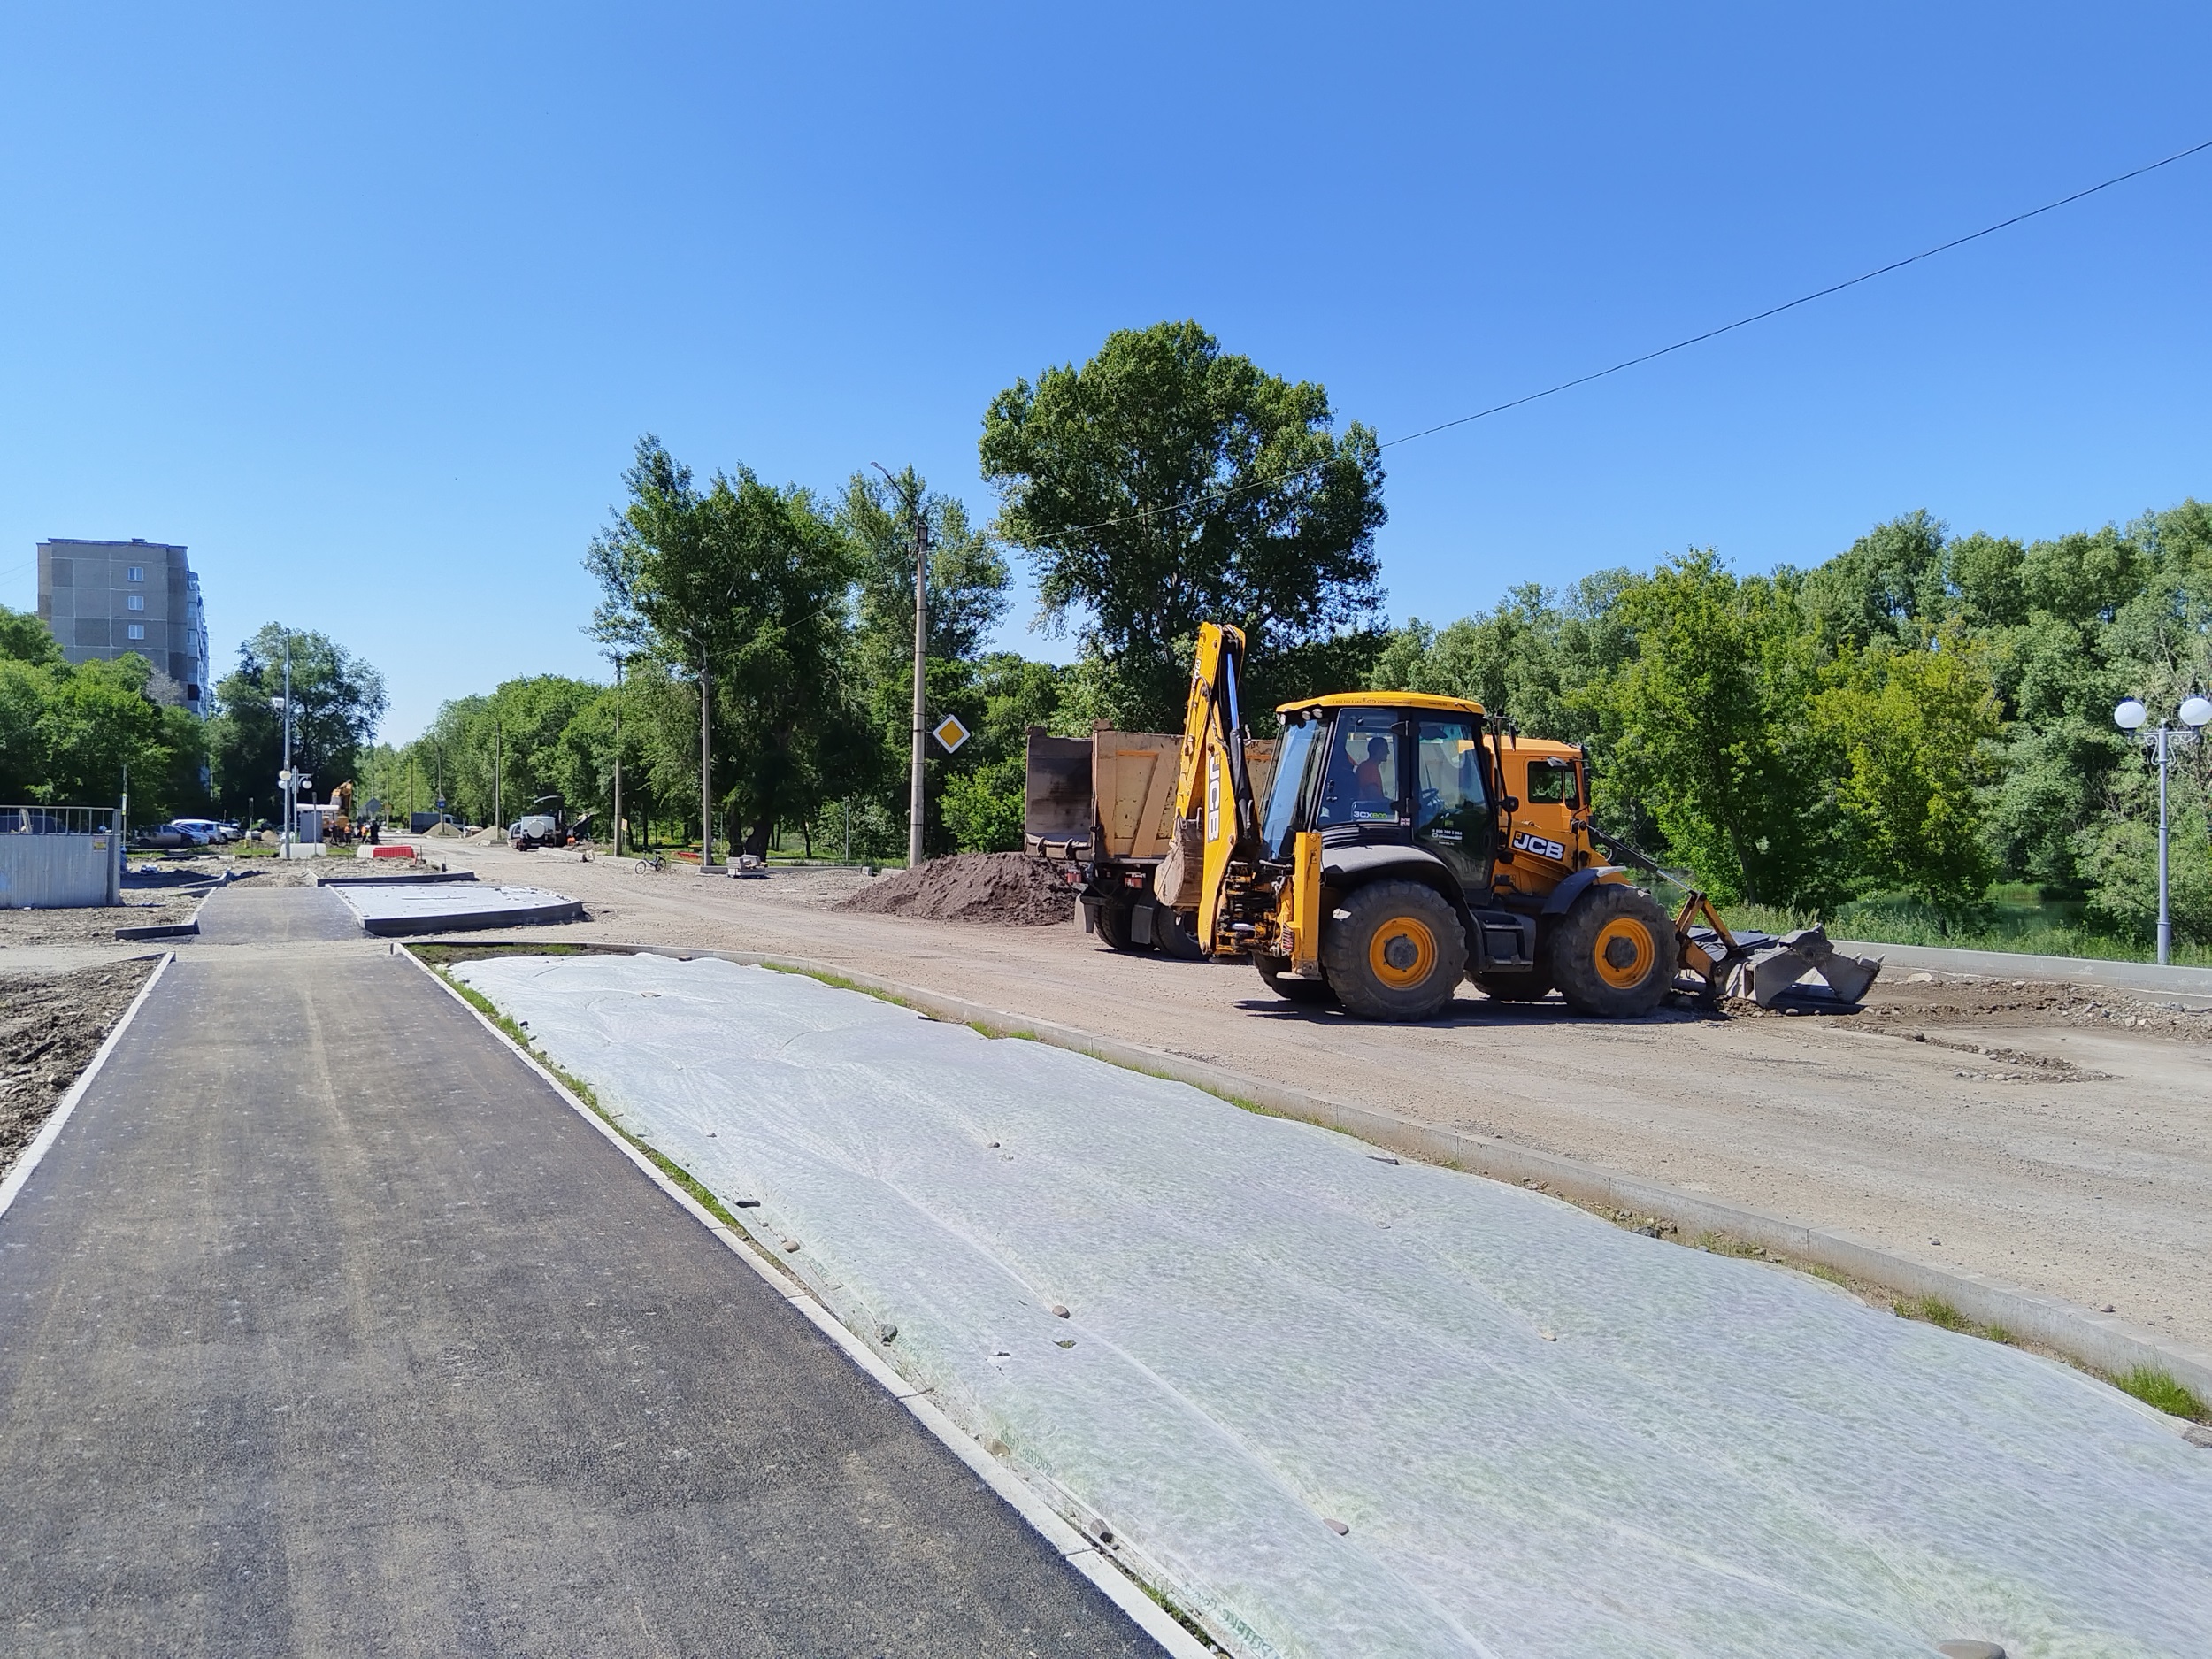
[[1371, 772]]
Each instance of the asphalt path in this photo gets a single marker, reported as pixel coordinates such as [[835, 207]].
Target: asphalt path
[[327, 1327]]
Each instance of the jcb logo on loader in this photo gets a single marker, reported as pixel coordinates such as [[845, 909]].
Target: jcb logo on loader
[[1524, 842]]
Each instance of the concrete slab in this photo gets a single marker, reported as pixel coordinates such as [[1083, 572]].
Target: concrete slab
[[388, 909]]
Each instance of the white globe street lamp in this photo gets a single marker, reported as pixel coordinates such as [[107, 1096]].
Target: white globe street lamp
[[2131, 716]]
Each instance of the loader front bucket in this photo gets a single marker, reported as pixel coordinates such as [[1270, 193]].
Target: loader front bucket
[[1801, 968]]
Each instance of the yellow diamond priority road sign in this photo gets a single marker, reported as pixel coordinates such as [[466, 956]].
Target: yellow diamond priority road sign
[[950, 732]]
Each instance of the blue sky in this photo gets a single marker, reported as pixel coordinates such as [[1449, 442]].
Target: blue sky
[[367, 305]]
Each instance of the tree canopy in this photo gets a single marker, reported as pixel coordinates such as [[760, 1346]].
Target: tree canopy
[[337, 701], [1166, 483]]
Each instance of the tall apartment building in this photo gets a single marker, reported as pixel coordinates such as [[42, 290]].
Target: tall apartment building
[[104, 599]]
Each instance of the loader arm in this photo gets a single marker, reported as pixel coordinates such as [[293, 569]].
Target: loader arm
[[1214, 806]]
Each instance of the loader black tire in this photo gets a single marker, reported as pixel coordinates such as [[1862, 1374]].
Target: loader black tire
[[1290, 986], [1393, 950], [1613, 954], [1112, 922]]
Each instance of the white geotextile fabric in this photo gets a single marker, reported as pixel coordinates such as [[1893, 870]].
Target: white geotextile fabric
[[1547, 1436], [392, 900]]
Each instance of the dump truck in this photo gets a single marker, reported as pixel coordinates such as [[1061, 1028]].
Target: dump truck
[[1099, 809], [1400, 843]]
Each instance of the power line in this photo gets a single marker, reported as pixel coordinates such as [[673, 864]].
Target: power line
[[1681, 345], [1803, 299]]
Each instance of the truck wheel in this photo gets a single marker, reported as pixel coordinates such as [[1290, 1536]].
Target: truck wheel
[[1395, 950], [1176, 934], [1112, 922], [1290, 986], [1613, 955]]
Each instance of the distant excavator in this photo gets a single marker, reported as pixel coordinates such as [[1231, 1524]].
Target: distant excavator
[[1408, 842]]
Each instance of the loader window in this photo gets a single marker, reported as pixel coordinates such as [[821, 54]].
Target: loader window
[[1452, 813], [1290, 781], [1552, 783], [1362, 785]]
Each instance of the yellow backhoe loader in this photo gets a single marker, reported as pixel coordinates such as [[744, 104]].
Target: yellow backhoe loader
[[1410, 841]]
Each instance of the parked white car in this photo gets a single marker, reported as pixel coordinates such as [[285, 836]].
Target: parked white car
[[200, 832]]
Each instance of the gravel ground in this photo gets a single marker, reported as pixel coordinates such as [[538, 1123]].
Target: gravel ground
[[95, 924], [2034, 1134], [50, 1025], [304, 872]]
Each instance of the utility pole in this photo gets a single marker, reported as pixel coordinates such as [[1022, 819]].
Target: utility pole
[[921, 659], [617, 756], [706, 765], [499, 813]]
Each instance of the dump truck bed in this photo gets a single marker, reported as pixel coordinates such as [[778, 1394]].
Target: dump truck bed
[[1111, 796]]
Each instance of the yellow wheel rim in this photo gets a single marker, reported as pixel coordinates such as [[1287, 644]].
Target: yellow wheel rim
[[1625, 952], [1402, 952]]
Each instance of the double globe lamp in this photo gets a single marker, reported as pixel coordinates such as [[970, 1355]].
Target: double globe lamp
[[2131, 716]]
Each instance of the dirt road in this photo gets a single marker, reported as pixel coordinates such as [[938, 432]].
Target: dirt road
[[2034, 1137]]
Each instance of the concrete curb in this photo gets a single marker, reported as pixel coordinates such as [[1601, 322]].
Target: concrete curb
[[566, 909], [174, 930], [2099, 1342], [411, 878], [2004, 964], [1077, 1551], [51, 1130], [160, 930]]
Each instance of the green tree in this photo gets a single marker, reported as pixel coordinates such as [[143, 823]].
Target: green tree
[[1715, 733], [96, 725], [1891, 584], [1164, 484], [968, 593], [745, 586], [337, 701], [24, 637], [1912, 729]]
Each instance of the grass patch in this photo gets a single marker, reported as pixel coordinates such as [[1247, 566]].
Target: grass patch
[[1933, 1310], [2158, 1390]]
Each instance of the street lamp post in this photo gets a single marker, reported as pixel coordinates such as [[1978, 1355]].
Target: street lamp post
[[285, 780], [2131, 716]]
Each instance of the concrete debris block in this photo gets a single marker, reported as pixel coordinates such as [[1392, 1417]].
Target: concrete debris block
[[1970, 1650], [1059, 1311], [1921, 978], [1335, 1526], [886, 1333]]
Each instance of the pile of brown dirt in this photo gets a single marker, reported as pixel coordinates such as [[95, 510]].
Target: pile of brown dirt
[[51, 1023], [1005, 890]]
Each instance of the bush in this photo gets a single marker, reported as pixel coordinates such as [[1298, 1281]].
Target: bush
[[983, 809]]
